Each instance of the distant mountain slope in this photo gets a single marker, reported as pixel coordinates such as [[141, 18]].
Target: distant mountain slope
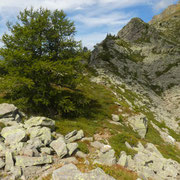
[[168, 22], [146, 57]]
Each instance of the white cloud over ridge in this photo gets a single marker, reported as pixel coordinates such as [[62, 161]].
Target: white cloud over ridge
[[89, 15], [80, 4], [161, 4]]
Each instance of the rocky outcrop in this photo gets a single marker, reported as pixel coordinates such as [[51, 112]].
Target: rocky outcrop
[[8, 110], [9, 114], [149, 163], [139, 123], [13, 134], [33, 150], [134, 30], [59, 146], [39, 121], [141, 67], [106, 157], [24, 161], [32, 143], [145, 58], [74, 136]]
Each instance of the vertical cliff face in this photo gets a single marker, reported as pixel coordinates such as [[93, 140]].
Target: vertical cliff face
[[146, 56]]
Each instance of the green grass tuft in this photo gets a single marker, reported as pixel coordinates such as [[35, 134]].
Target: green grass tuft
[[82, 146]]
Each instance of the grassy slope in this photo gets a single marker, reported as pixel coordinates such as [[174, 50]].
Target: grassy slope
[[118, 134]]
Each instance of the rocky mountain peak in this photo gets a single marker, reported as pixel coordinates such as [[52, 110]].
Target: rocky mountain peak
[[145, 57], [133, 30]]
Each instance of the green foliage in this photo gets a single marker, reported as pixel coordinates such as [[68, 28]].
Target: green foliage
[[118, 143], [136, 57], [2, 125], [89, 127], [42, 61], [118, 172], [144, 39], [82, 146], [123, 43]]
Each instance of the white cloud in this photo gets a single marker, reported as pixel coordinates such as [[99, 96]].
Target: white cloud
[[51, 4], [80, 4], [87, 14], [106, 19], [90, 39], [161, 4]]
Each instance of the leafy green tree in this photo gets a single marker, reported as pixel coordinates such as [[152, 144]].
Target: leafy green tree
[[41, 60]]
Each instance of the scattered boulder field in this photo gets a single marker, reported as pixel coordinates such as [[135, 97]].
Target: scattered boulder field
[[30, 148]]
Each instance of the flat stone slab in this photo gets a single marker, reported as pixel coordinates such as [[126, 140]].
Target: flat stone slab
[[13, 134], [25, 161], [9, 161], [74, 136], [72, 147], [107, 158], [43, 133], [6, 109], [139, 123], [60, 147], [40, 121]]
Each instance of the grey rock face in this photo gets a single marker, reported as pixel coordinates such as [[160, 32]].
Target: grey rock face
[[106, 158], [40, 121], [71, 134], [60, 147], [2, 147], [13, 134], [71, 148], [146, 58], [71, 172], [123, 159], [149, 163], [16, 171], [42, 133], [74, 136], [133, 30], [2, 163], [139, 124], [9, 161], [46, 150], [25, 161], [8, 121], [7, 109], [105, 148]]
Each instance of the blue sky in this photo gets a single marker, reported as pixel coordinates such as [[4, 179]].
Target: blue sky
[[93, 18]]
